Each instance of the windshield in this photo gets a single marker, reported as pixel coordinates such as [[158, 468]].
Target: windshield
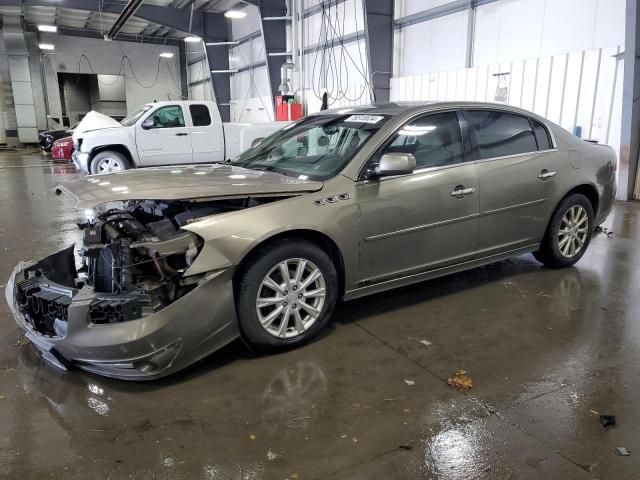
[[316, 148], [134, 116]]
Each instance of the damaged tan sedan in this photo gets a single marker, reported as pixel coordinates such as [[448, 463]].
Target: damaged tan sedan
[[178, 261]]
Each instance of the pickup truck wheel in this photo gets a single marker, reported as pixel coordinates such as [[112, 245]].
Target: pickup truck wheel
[[109, 161], [286, 295]]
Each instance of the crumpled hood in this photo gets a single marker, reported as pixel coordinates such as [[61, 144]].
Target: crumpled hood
[[182, 183], [94, 121]]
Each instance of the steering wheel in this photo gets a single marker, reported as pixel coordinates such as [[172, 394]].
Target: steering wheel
[[276, 154]]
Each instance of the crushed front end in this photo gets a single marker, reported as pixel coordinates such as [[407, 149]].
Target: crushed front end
[[123, 306]]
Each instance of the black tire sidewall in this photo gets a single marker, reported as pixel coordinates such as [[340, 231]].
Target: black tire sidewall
[[96, 158], [249, 282], [551, 254]]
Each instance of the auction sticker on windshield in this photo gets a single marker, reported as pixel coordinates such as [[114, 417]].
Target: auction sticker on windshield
[[364, 118]]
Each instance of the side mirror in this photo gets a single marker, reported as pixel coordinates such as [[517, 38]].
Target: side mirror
[[149, 122], [396, 164]]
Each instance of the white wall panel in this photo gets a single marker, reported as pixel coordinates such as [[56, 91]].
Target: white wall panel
[[432, 46], [514, 29], [249, 24]]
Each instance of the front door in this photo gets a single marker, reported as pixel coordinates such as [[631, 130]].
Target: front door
[[516, 174], [163, 138], [424, 220]]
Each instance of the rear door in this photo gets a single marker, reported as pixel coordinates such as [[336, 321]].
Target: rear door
[[163, 137], [207, 139], [516, 172], [424, 220]]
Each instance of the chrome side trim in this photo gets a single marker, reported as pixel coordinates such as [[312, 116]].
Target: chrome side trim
[[418, 228], [383, 285], [513, 207], [525, 154]]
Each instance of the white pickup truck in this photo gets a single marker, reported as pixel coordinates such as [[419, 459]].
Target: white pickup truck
[[163, 133]]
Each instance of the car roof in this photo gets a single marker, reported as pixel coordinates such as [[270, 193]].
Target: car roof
[[395, 108]]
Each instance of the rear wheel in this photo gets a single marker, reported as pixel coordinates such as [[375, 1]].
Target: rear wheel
[[286, 295], [109, 161], [568, 234]]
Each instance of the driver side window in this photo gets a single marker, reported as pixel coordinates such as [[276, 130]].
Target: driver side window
[[168, 117], [435, 140]]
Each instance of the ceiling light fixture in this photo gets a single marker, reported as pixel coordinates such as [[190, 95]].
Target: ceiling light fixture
[[192, 39], [46, 46], [48, 28], [166, 55], [235, 14]]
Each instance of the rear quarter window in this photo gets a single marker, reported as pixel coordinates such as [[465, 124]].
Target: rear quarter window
[[542, 135]]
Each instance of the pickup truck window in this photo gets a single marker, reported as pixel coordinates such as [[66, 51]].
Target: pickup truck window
[[316, 148], [134, 116], [200, 115], [168, 117]]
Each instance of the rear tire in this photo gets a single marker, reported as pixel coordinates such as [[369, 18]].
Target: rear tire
[[277, 313], [568, 234], [109, 161]]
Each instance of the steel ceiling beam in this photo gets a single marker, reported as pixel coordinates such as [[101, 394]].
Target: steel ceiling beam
[[176, 18]]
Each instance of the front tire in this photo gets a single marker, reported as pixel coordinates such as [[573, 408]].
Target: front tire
[[109, 161], [568, 234], [286, 295]]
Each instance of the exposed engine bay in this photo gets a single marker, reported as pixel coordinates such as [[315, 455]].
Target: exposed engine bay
[[133, 259]]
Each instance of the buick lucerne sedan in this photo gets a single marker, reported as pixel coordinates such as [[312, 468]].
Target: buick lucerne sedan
[[176, 262]]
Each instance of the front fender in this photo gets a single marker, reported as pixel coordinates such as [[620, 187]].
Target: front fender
[[230, 237], [99, 140]]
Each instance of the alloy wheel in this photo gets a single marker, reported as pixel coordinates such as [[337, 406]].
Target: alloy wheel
[[290, 298], [108, 165], [574, 228]]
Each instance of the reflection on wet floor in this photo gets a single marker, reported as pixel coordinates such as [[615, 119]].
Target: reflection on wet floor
[[369, 399]]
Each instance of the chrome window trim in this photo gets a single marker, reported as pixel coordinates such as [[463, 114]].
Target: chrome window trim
[[525, 154]]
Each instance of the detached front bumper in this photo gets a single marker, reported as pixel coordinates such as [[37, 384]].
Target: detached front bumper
[[146, 348]]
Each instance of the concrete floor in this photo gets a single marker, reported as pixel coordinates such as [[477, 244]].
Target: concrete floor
[[547, 350]]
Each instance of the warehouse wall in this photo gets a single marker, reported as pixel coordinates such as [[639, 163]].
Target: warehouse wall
[[339, 69], [506, 30], [198, 74], [557, 58], [152, 77], [250, 89]]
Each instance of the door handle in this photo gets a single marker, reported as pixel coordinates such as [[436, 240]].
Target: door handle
[[546, 174], [181, 134], [460, 191]]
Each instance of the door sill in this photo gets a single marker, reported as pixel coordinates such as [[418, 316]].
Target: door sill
[[389, 284]]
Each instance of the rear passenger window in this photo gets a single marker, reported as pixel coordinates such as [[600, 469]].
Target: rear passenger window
[[200, 115], [499, 134], [435, 140], [542, 136]]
